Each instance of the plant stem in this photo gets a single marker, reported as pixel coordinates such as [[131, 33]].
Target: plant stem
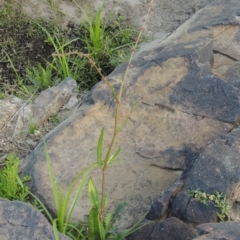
[[107, 158], [145, 20], [118, 104]]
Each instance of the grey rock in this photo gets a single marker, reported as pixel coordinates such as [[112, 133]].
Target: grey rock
[[169, 229], [160, 206], [223, 230], [8, 109], [21, 221], [51, 100], [222, 161], [197, 212]]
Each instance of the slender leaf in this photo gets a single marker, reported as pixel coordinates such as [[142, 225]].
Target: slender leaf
[[108, 221], [135, 227], [102, 231], [52, 180], [55, 230], [93, 194], [99, 148], [114, 156], [79, 191]]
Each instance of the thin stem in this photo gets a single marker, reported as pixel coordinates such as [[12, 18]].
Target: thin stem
[[107, 158], [145, 20], [118, 103]]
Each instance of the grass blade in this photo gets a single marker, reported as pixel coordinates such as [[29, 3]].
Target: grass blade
[[55, 230], [52, 181], [93, 194], [99, 148]]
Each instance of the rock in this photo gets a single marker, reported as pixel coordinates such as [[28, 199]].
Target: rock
[[8, 109], [143, 233], [222, 161], [223, 230], [180, 107], [233, 74], [192, 211], [21, 221], [50, 101], [160, 206], [169, 229]]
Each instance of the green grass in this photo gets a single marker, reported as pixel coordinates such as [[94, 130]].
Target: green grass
[[108, 42], [12, 186]]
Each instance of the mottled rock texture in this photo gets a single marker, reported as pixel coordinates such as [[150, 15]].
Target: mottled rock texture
[[21, 221]]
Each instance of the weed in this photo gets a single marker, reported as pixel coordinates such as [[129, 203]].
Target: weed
[[20, 82], [100, 224], [60, 63], [55, 119], [107, 42], [2, 95], [32, 126], [219, 200], [41, 77], [12, 186], [64, 208]]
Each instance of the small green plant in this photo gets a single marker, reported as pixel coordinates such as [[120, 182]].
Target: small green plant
[[2, 95], [61, 63], [41, 77], [32, 126], [20, 82], [64, 208], [107, 41], [55, 119], [96, 35], [219, 200], [12, 186]]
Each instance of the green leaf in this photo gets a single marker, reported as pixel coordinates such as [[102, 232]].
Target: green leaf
[[55, 230], [119, 210], [139, 224], [52, 180], [114, 156], [99, 148], [108, 221], [93, 194], [93, 226], [102, 231]]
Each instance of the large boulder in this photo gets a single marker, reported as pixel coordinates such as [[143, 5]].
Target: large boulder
[[183, 100]]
